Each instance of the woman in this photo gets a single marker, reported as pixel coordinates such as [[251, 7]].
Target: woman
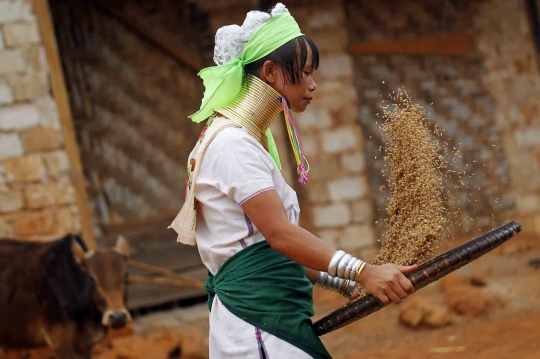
[[242, 214]]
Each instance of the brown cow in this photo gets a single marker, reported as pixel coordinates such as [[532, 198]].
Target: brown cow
[[60, 295]]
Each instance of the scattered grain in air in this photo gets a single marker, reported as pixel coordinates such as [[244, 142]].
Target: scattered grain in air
[[415, 206]]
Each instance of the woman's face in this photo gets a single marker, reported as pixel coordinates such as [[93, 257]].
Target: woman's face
[[300, 94]]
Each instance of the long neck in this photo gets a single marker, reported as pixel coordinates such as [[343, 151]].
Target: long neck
[[254, 108]]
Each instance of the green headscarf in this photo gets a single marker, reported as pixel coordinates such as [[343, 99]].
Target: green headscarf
[[223, 83]]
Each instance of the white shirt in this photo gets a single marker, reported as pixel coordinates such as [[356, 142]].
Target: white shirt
[[234, 169]]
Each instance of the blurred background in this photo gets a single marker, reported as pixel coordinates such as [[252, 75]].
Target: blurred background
[[94, 139]]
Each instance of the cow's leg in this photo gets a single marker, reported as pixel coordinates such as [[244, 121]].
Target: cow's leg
[[71, 354], [65, 354], [86, 354], [76, 349], [62, 338]]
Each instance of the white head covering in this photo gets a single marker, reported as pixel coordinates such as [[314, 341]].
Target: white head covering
[[231, 39]]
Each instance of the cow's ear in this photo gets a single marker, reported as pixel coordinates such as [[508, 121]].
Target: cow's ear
[[122, 246], [78, 251]]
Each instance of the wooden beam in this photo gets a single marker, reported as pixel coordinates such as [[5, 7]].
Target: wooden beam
[[164, 281], [212, 5], [43, 14], [165, 272], [134, 226], [162, 40], [440, 44], [534, 17]]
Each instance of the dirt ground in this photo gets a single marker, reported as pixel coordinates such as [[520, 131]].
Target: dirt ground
[[493, 305], [488, 309]]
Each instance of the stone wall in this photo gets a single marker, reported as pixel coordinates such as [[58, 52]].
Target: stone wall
[[131, 102], [336, 203], [512, 77], [37, 199], [454, 95], [485, 100]]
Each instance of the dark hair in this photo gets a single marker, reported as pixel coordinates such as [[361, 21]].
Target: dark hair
[[291, 58]]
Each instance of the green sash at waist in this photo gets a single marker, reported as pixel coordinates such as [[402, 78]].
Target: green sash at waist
[[271, 292]]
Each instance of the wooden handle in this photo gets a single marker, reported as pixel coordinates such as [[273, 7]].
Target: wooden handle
[[426, 273]]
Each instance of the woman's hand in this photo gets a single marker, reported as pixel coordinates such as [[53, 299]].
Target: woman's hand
[[387, 282], [356, 292]]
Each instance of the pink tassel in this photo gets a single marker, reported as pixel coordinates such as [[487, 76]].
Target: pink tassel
[[303, 178]]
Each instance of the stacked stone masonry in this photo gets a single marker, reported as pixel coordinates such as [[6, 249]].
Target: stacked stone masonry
[[512, 78], [337, 194], [486, 102], [335, 203], [455, 94], [130, 102], [37, 198]]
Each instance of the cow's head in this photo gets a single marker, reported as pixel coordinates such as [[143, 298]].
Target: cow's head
[[108, 267]]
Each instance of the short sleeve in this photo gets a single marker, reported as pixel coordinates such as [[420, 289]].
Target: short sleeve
[[238, 165]]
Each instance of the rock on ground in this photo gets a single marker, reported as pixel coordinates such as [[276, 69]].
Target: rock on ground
[[421, 310], [467, 299]]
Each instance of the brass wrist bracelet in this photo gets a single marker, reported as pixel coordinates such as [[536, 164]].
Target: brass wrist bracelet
[[359, 271]]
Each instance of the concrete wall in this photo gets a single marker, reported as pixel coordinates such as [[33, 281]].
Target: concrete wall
[[37, 199]]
